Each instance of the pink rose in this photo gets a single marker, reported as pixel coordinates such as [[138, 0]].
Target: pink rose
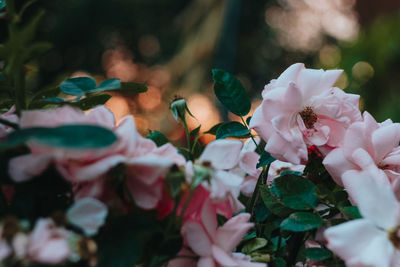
[[302, 108], [368, 144], [214, 245]]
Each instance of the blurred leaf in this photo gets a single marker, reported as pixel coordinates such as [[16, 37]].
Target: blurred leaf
[[106, 85], [231, 93], [350, 212], [158, 138], [2, 3], [36, 49], [67, 136], [301, 221], [261, 212], [77, 86], [132, 87], [265, 159], [232, 129], [295, 192], [254, 244], [92, 101], [272, 203], [318, 254]]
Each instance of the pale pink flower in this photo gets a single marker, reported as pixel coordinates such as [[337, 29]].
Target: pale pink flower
[[8, 116], [48, 243], [367, 144], [216, 160], [89, 214], [248, 165], [214, 245], [302, 108], [145, 163], [373, 240]]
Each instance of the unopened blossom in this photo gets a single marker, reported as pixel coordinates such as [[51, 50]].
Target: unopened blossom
[[367, 144], [215, 162], [214, 245], [9, 116], [302, 108], [48, 243], [373, 240]]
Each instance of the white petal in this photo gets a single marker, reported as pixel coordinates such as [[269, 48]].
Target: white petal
[[89, 214], [223, 154]]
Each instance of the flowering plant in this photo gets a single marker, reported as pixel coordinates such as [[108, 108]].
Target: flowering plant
[[315, 184]]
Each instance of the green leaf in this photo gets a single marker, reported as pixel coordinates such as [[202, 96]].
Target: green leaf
[[265, 159], [279, 262], [92, 101], [254, 244], [295, 192], [350, 212], [231, 93], [213, 130], [132, 87], [232, 129], [107, 85], [195, 132], [2, 3], [272, 203], [174, 181], [67, 136], [248, 120], [158, 138], [301, 221], [78, 86], [318, 254]]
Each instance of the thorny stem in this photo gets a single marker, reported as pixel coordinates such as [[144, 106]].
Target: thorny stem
[[261, 180]]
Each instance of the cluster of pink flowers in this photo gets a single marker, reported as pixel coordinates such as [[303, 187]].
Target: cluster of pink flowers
[[302, 108]]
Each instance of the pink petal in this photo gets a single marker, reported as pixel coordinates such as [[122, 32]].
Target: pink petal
[[88, 214], [384, 140], [294, 152], [375, 199], [55, 251], [336, 164], [222, 257], [289, 75], [206, 262], [360, 243], [314, 82], [209, 218], [197, 238], [248, 162], [146, 196], [101, 115], [222, 154], [148, 168], [24, 167]]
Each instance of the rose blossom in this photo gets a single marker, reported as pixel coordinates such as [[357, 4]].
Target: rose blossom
[[214, 245], [367, 144], [217, 158], [373, 240], [145, 163], [302, 108]]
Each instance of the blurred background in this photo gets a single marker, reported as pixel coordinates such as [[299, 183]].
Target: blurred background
[[172, 45]]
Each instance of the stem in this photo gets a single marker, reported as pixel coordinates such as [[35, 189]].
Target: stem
[[9, 123], [261, 180], [187, 135], [251, 136]]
